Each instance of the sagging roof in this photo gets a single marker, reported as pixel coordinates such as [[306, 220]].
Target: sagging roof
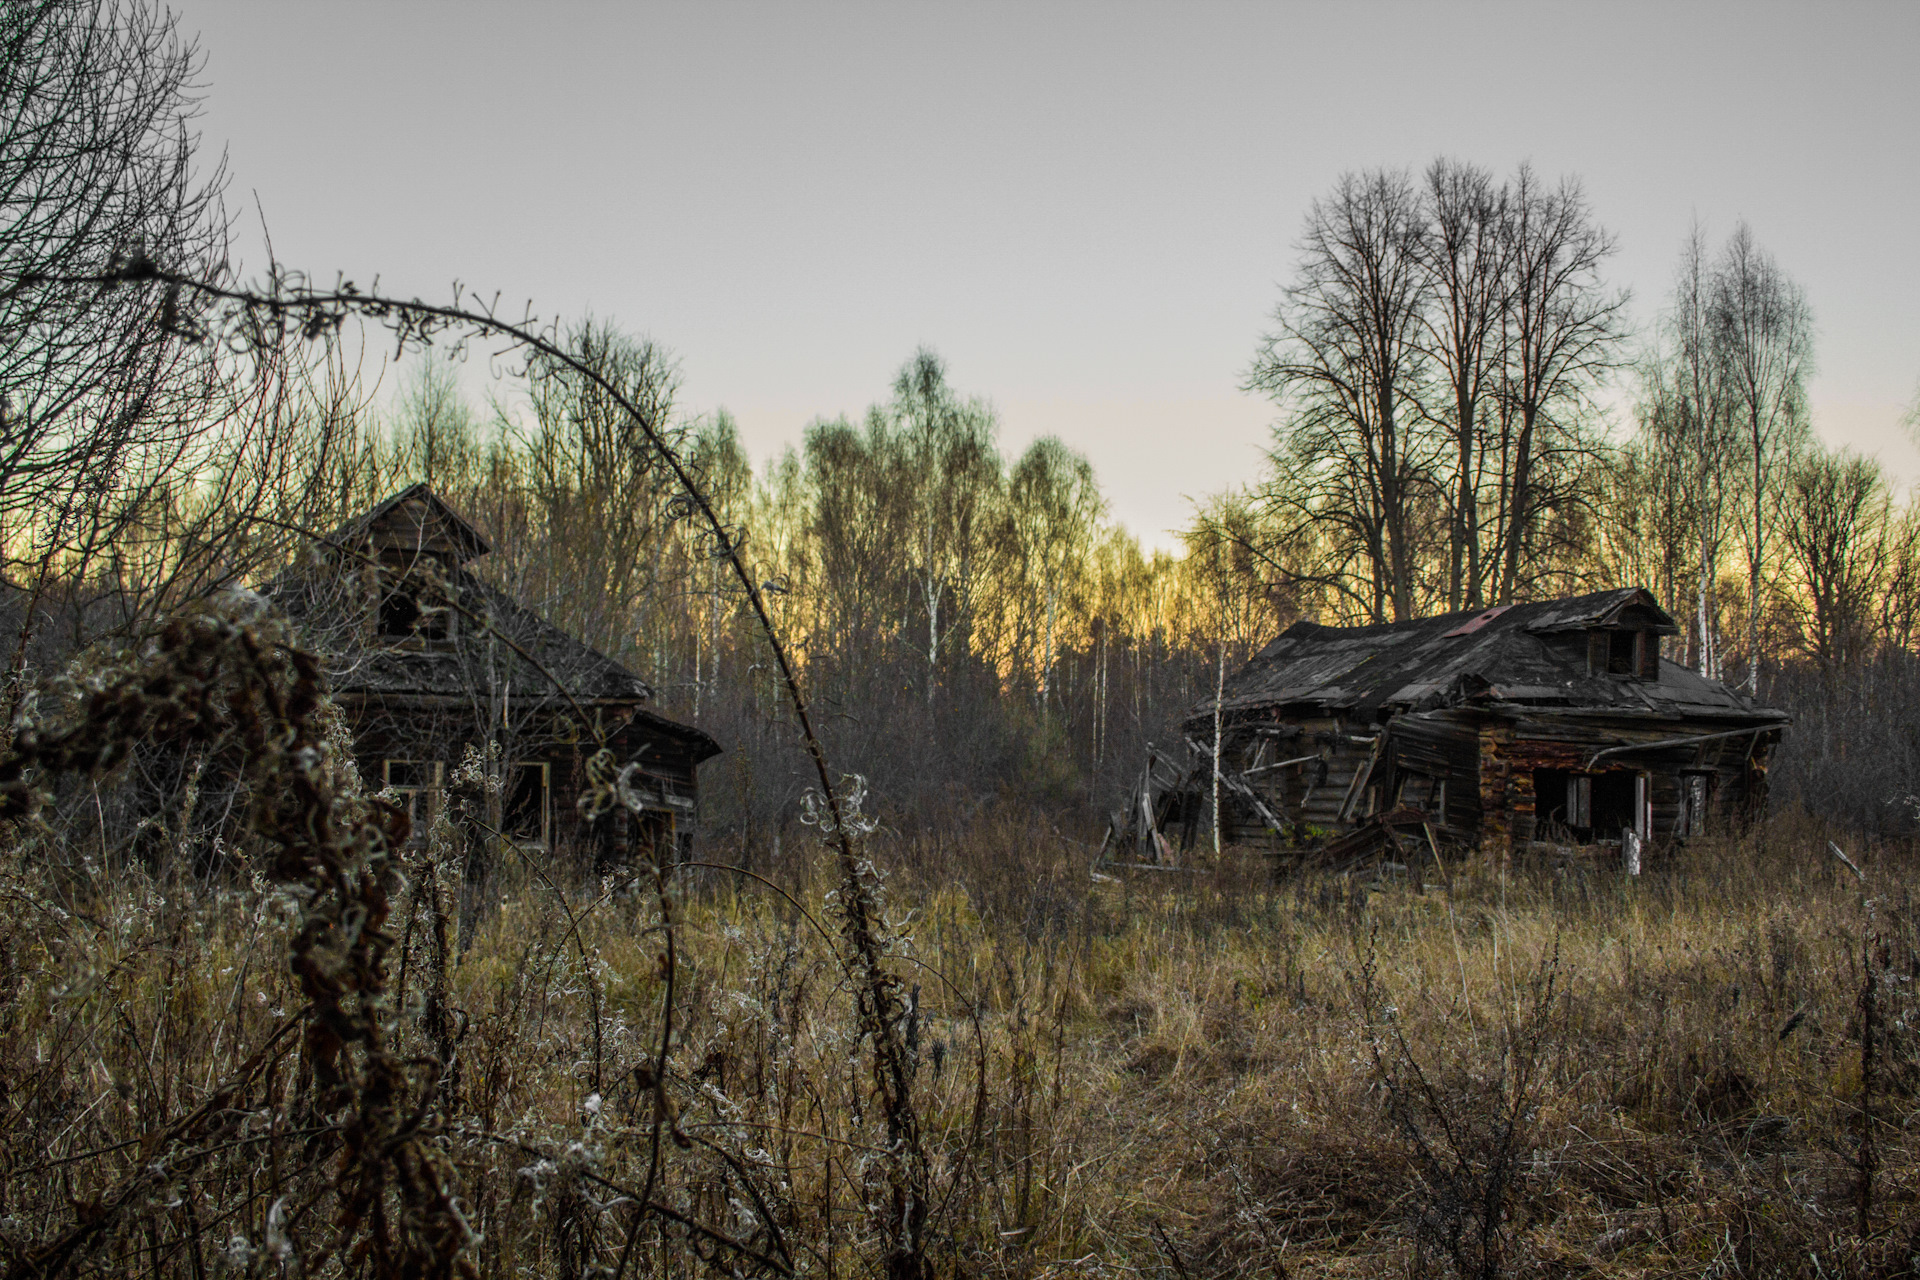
[[1520, 655], [513, 646]]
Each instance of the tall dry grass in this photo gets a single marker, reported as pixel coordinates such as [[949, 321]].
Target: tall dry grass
[[1709, 1070]]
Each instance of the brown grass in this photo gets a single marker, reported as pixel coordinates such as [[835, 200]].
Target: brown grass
[[1199, 1075]]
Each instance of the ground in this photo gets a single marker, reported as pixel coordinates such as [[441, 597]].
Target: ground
[[1707, 1070]]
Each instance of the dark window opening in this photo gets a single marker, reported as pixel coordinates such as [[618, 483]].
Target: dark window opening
[[399, 615], [434, 625], [1620, 652], [525, 812], [1587, 806], [1624, 653], [402, 617]]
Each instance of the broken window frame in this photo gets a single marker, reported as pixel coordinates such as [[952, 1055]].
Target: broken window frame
[[429, 626], [1579, 801], [1423, 791], [510, 794], [1623, 653], [431, 784]]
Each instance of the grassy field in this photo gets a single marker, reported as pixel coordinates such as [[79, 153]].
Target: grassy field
[[1709, 1070]]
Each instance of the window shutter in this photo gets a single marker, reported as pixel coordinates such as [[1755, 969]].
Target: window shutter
[[1596, 653], [1648, 655], [1579, 801]]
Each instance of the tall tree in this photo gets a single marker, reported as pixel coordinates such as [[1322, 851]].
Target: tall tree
[[1696, 403], [1563, 334], [1053, 508], [1464, 253], [1837, 524], [952, 472], [1345, 361], [1764, 331], [596, 495]]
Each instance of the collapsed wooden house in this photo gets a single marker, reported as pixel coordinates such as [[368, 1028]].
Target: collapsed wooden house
[[428, 660], [1551, 723]]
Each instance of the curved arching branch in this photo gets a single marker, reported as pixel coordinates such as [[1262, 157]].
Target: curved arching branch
[[287, 307]]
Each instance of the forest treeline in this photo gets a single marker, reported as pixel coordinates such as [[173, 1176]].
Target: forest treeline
[[1465, 414]]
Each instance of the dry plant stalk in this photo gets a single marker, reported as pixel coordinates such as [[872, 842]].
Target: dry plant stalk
[[221, 673]]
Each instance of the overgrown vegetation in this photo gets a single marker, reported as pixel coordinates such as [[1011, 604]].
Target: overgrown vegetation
[[250, 1024], [1706, 1071]]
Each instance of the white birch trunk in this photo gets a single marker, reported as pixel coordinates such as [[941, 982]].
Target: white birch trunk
[[1219, 692]]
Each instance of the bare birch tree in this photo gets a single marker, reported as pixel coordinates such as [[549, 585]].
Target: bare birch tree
[[1764, 330], [1698, 403]]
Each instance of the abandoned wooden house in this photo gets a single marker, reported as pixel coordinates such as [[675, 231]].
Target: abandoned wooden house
[[427, 660], [1553, 723]]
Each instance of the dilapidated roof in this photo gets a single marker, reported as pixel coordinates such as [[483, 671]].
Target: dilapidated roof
[[1530, 655], [494, 642], [486, 644]]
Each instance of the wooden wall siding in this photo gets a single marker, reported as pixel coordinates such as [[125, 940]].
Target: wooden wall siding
[[395, 729], [1487, 763], [1444, 749]]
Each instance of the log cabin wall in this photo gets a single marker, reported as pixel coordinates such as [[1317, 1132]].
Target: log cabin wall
[[1554, 720], [1431, 750], [427, 658], [1731, 769]]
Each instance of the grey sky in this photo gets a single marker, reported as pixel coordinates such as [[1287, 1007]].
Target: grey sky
[[1087, 210]]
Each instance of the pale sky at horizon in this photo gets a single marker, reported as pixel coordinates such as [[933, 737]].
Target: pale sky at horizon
[[1087, 210]]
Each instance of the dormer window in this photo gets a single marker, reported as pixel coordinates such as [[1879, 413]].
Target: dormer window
[[1622, 652], [403, 619], [398, 615]]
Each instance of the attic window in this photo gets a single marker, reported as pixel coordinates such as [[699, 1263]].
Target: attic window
[[1620, 650], [1623, 653], [403, 618], [398, 615]]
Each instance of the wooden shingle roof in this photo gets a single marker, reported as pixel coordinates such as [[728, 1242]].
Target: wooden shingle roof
[[1518, 655]]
